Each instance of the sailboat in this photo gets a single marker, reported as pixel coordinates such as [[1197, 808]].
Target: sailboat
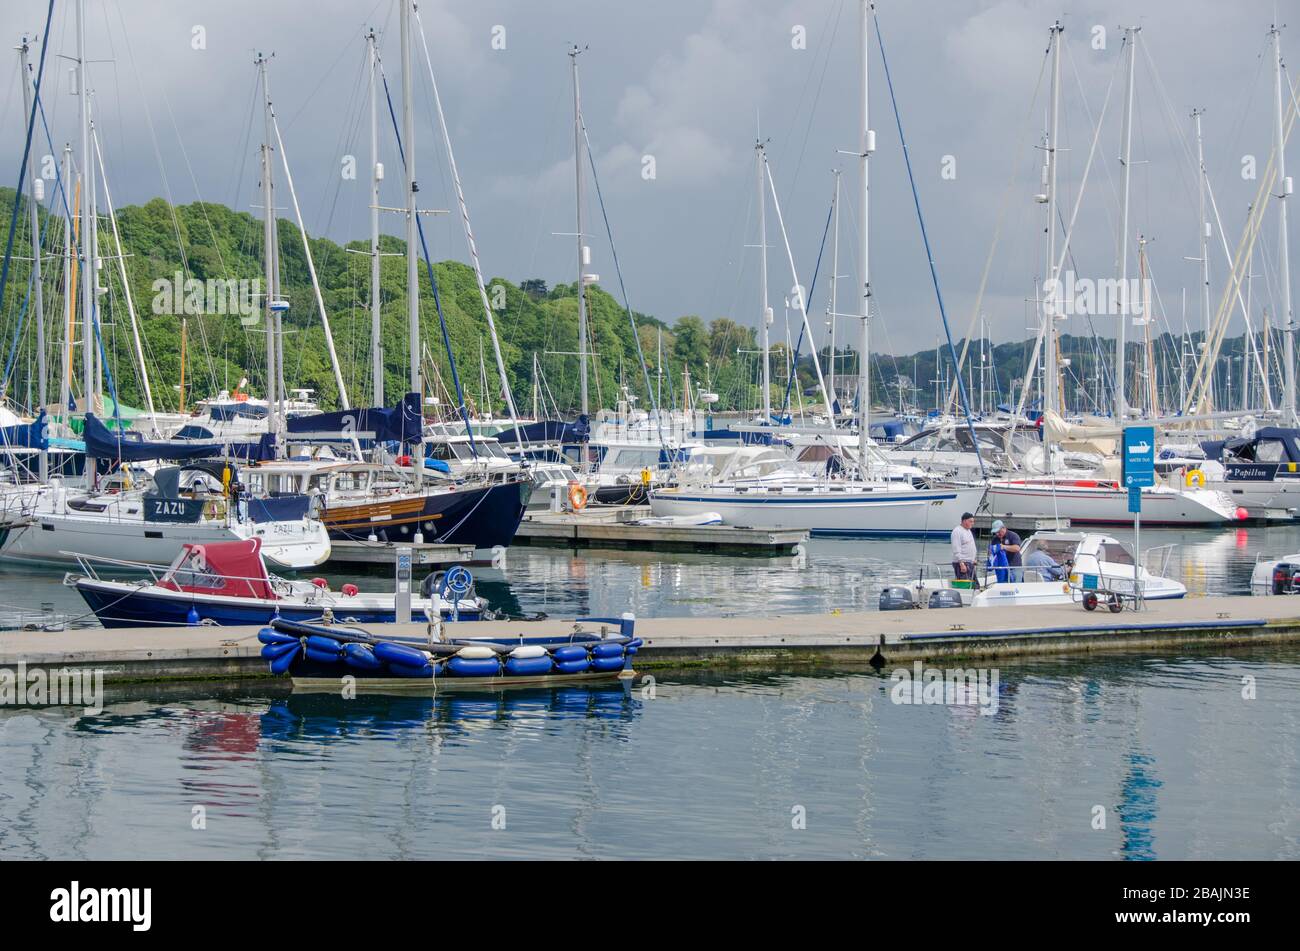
[[761, 488], [1097, 496]]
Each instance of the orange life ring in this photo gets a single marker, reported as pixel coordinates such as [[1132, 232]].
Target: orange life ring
[[577, 497]]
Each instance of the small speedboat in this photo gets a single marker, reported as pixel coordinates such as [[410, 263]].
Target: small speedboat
[[227, 583], [317, 656], [1072, 556]]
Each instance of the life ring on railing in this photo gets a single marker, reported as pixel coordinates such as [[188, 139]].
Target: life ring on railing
[[577, 497], [1195, 479]]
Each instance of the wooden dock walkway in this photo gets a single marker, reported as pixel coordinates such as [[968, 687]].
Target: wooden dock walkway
[[774, 642], [612, 527], [383, 555]]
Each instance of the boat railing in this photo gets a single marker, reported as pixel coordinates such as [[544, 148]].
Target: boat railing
[[1155, 561], [87, 565], [157, 573]]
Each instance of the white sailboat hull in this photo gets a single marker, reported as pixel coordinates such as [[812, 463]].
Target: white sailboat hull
[[1088, 502], [825, 511], [1262, 497], [48, 539]]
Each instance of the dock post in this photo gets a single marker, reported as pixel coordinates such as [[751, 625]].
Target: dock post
[[402, 598]]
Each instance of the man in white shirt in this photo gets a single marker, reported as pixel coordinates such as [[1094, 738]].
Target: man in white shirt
[[963, 548]]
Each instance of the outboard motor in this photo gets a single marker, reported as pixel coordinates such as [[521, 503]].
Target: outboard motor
[[432, 584], [896, 598], [945, 598], [1284, 578]]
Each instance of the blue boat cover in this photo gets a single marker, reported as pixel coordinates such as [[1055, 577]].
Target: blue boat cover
[[402, 423], [133, 447], [228, 411], [548, 431], [31, 435]]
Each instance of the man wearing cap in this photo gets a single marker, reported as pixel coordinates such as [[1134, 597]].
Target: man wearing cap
[[963, 548], [1010, 543]]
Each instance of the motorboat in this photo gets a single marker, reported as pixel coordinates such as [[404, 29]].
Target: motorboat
[[227, 583], [316, 655], [1059, 578]]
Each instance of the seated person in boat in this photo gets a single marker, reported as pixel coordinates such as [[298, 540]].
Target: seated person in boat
[[1045, 565]]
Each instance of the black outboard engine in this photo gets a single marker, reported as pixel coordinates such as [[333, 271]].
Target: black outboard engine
[[432, 584], [896, 598], [945, 598], [1284, 575]]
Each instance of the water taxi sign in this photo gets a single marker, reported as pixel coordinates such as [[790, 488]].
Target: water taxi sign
[[1139, 456]]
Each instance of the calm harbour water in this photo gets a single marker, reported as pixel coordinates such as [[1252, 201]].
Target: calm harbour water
[[1179, 762]]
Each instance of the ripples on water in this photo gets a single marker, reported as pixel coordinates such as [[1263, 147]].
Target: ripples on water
[[1182, 765]]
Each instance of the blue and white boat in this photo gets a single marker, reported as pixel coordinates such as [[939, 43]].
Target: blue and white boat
[[317, 656], [227, 583]]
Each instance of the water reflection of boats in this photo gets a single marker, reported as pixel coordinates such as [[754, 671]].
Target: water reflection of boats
[[325, 715]]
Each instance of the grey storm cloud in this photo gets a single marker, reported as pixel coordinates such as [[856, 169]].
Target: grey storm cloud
[[691, 83]]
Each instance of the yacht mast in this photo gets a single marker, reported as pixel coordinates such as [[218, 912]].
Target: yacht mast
[[1204, 236], [1121, 397], [765, 315], [867, 146], [38, 300], [408, 145], [126, 288], [86, 254], [1052, 359], [270, 253], [584, 253], [376, 176], [1284, 264], [65, 370], [832, 309]]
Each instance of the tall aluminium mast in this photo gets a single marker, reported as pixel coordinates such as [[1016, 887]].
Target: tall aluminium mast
[[408, 145], [376, 176], [38, 300], [1284, 263], [87, 249], [1052, 359], [1121, 397], [583, 252], [271, 269], [867, 146]]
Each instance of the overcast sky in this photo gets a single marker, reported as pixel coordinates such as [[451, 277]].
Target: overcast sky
[[687, 82]]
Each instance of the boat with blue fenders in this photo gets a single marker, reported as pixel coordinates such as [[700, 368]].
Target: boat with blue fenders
[[319, 656], [227, 583]]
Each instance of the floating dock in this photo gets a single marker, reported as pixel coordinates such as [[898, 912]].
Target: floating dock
[[775, 642], [383, 555], [612, 527]]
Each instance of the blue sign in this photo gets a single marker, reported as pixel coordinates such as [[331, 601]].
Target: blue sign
[[1135, 499], [1139, 457]]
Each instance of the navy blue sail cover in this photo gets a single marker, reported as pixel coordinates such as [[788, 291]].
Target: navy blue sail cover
[[402, 423], [101, 443], [31, 435]]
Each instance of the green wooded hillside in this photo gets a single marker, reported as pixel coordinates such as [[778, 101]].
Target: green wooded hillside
[[210, 241]]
